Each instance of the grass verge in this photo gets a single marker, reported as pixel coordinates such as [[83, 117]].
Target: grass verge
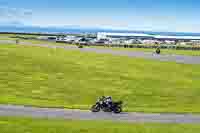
[[28, 125]]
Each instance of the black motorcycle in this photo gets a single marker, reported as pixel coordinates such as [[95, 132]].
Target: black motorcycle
[[115, 107], [158, 51]]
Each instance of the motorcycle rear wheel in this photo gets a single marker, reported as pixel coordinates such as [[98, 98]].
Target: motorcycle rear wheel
[[117, 110], [95, 108]]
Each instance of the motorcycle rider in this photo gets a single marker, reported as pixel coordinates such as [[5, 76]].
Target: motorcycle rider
[[158, 50], [101, 99], [17, 41], [108, 101]]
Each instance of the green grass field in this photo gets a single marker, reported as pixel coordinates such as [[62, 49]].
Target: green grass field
[[43, 42], [28, 125], [9, 37], [14, 35], [60, 78], [6, 37]]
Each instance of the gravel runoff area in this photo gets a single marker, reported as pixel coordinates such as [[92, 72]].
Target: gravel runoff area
[[53, 113], [173, 58]]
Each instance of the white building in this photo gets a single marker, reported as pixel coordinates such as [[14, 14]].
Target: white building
[[151, 42], [47, 38], [106, 35], [169, 42]]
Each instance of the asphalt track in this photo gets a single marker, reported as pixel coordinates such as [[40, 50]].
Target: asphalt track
[[53, 113], [170, 58]]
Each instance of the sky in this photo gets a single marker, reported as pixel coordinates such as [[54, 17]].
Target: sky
[[151, 15]]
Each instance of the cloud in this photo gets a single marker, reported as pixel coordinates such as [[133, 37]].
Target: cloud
[[7, 13]]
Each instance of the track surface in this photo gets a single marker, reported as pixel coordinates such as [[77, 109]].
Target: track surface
[[171, 58], [21, 111]]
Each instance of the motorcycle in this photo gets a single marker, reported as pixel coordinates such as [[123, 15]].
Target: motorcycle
[[158, 51], [115, 107]]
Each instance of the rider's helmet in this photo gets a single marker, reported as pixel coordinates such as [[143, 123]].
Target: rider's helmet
[[108, 98], [103, 97]]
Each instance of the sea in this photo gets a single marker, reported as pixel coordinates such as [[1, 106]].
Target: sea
[[54, 30]]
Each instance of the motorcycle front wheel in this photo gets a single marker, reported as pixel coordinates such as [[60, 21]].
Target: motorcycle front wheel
[[117, 110]]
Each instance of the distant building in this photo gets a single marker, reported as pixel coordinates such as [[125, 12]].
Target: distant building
[[54, 38], [107, 35], [150, 42], [169, 42]]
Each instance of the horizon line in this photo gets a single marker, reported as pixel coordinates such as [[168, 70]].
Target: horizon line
[[20, 25]]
